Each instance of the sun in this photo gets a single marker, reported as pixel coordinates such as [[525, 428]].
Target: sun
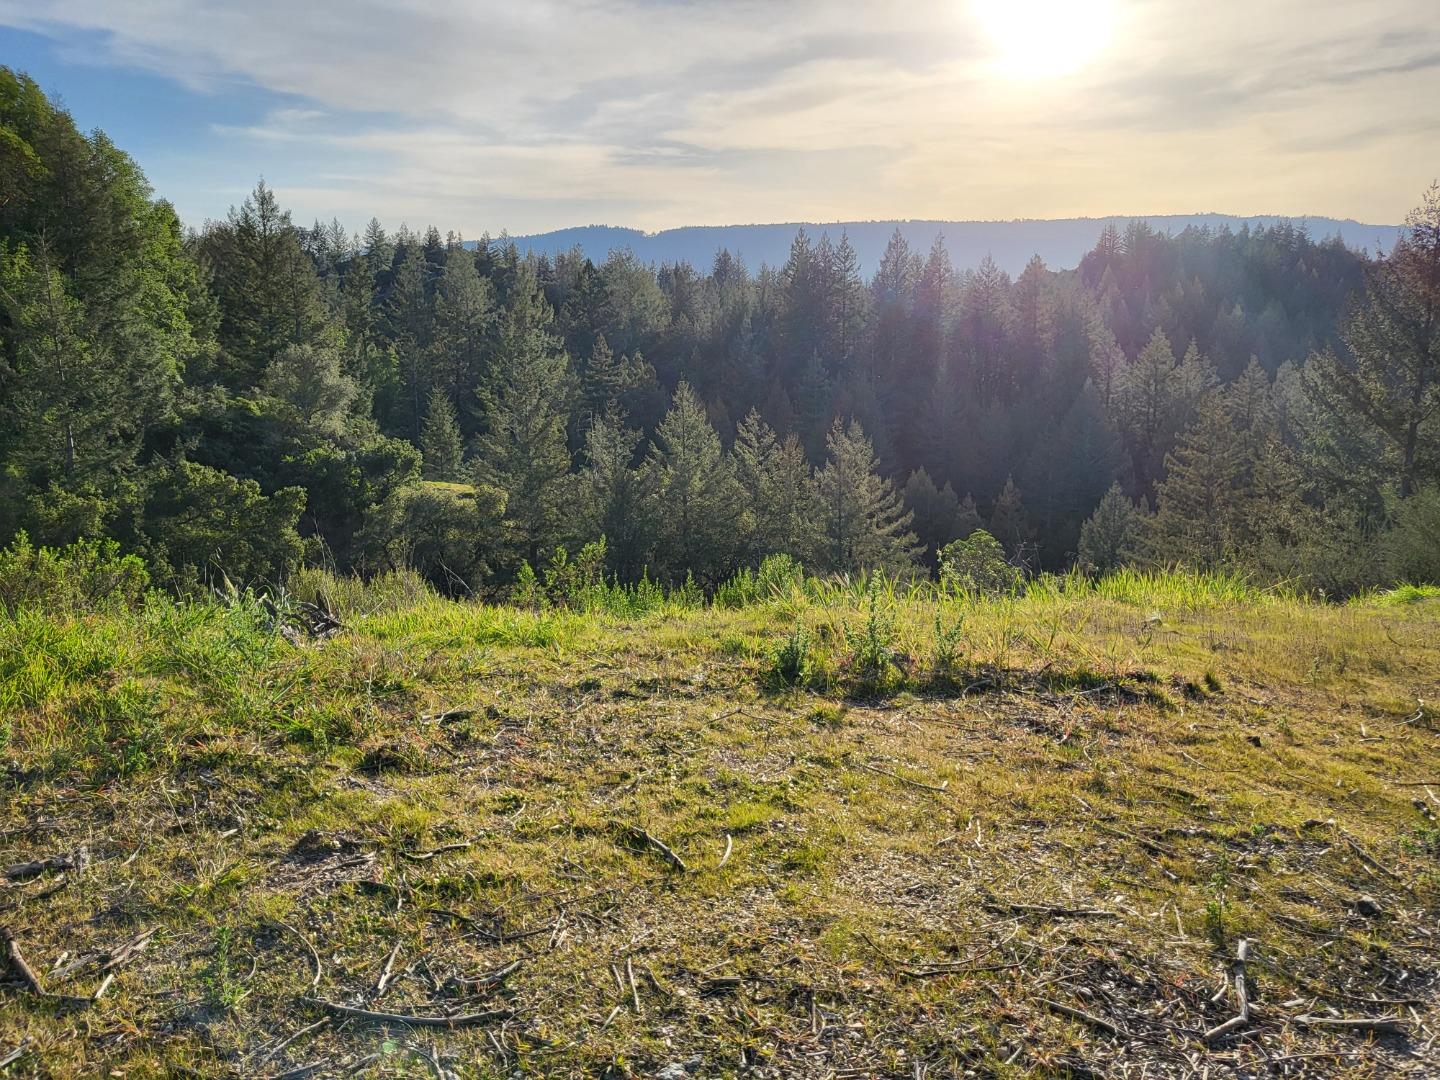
[[1038, 39]]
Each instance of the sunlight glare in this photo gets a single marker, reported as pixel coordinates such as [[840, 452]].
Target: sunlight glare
[[1039, 39]]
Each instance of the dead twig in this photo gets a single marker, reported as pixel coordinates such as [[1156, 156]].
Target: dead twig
[[729, 847], [1054, 912], [904, 779], [485, 980], [387, 971], [1381, 1025], [289, 1039], [659, 845], [1098, 1022], [315, 956], [463, 1020], [426, 856], [1242, 1016]]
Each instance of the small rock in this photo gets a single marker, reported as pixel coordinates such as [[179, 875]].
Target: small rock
[[1367, 907]]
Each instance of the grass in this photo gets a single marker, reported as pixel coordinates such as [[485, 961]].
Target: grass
[[890, 769]]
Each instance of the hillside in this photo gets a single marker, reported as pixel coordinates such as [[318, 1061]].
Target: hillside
[[1011, 244], [1010, 837]]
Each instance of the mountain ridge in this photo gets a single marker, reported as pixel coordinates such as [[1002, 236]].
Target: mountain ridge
[[1061, 242]]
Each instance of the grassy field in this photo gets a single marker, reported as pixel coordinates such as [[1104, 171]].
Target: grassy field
[[834, 831]]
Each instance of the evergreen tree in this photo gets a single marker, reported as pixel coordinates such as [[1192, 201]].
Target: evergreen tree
[[316, 393], [616, 499], [522, 449], [269, 295], [1155, 399], [463, 326], [865, 524], [938, 518], [697, 499], [1201, 499], [1386, 387], [782, 508], [1111, 535], [1009, 523], [440, 440]]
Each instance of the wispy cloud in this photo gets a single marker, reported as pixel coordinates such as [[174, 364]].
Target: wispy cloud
[[662, 112]]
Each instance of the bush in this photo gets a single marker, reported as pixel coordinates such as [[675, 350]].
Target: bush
[[977, 565], [790, 666], [873, 661], [1411, 549], [88, 575]]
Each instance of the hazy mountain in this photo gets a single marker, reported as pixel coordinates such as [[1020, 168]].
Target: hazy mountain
[[1060, 243]]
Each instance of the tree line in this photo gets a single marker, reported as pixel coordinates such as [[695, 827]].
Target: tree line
[[255, 394]]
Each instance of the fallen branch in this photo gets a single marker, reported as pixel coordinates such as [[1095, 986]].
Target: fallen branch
[[15, 1055], [659, 845], [386, 972], [484, 981], [905, 779], [283, 1043], [77, 860], [1085, 1018], [729, 846], [1383, 1025], [464, 1020], [1055, 912], [425, 856], [17, 962], [1369, 861], [1242, 1017]]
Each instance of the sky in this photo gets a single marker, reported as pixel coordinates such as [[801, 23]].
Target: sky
[[529, 115]]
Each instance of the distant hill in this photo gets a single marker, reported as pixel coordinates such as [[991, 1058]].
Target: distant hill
[[1061, 243]]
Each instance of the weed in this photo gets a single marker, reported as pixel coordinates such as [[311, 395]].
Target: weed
[[791, 665]]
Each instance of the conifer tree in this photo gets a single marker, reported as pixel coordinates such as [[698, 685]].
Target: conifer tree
[[440, 440], [1009, 523], [865, 524], [782, 507], [1200, 499], [524, 401], [1385, 389], [463, 328], [615, 498], [1111, 535], [937, 512], [269, 295], [1155, 399], [697, 500], [316, 393]]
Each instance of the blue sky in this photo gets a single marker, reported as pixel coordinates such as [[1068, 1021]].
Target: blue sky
[[486, 116]]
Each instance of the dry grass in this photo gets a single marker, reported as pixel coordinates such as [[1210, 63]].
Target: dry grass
[[443, 790]]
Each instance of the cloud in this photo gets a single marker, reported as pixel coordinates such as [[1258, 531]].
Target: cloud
[[665, 112]]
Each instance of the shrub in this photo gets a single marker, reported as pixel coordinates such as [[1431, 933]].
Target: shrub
[[873, 661], [778, 576], [791, 665], [1411, 549], [977, 565], [949, 646], [87, 575]]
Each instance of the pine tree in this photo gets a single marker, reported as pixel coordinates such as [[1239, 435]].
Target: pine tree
[[865, 524], [440, 440], [1111, 535], [1386, 388], [270, 297], [696, 497], [463, 328], [1155, 399], [1009, 522], [936, 510], [1200, 500], [782, 507], [317, 395], [615, 499], [522, 449]]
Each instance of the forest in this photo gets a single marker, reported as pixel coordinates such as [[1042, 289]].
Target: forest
[[239, 400]]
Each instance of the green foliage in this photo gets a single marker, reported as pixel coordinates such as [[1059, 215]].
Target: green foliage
[[977, 564], [1411, 546], [949, 649], [866, 525], [88, 575], [791, 665], [448, 533], [204, 524], [872, 664], [697, 500], [1109, 538], [440, 440]]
